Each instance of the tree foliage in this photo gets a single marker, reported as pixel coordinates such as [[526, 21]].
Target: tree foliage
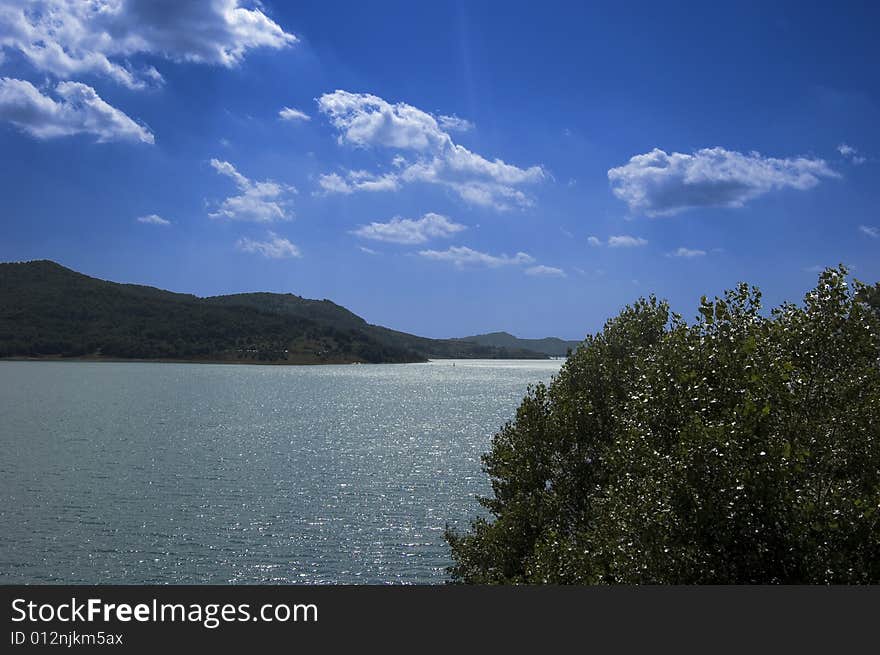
[[742, 448]]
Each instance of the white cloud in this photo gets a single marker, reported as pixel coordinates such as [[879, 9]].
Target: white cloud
[[291, 114], [873, 232], [687, 252], [366, 181], [365, 120], [153, 219], [545, 271], [275, 247], [657, 183], [70, 37], [462, 257], [334, 183], [484, 194], [410, 231], [79, 110], [357, 181], [454, 123], [594, 241], [851, 153], [626, 241], [369, 251], [259, 202]]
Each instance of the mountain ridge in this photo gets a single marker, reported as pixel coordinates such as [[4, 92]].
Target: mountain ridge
[[50, 311], [551, 346]]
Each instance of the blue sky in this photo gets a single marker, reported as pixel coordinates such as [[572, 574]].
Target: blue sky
[[444, 168]]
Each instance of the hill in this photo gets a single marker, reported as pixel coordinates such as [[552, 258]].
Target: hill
[[551, 346], [47, 310]]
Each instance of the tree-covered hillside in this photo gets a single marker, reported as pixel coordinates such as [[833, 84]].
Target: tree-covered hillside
[[47, 310], [341, 318], [552, 346]]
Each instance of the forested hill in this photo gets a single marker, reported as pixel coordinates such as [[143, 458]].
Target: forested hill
[[551, 346], [47, 310]]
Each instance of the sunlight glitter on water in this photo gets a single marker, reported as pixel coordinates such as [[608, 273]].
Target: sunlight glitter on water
[[188, 473]]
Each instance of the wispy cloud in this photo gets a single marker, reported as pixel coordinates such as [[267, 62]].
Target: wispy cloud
[[274, 247], [259, 202], [594, 241], [687, 252], [78, 110], [851, 153], [153, 219], [657, 183], [594, 274], [291, 114], [454, 123], [870, 230], [357, 181], [463, 257], [545, 271], [410, 231], [626, 241], [367, 121]]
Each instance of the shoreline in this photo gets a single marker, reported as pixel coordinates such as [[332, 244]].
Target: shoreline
[[121, 360], [117, 360]]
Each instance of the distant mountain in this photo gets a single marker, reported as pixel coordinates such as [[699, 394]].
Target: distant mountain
[[47, 310], [549, 346]]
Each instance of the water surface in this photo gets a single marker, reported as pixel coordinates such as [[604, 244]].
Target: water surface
[[195, 473]]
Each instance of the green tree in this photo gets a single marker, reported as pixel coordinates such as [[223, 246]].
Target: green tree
[[742, 448]]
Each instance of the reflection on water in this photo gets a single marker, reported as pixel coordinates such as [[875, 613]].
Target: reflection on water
[[193, 473]]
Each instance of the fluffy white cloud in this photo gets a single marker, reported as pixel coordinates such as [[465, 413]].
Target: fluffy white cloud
[[357, 181], [78, 110], [687, 252], [626, 241], [291, 114], [873, 232], [275, 247], [68, 37], [410, 231], [545, 271], [594, 241], [258, 202], [657, 183], [462, 257], [365, 120], [153, 219]]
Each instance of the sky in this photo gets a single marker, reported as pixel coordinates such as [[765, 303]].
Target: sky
[[444, 168]]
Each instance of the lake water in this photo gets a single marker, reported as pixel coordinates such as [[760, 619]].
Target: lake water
[[195, 473]]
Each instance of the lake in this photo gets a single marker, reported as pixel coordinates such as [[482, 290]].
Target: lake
[[141, 473]]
